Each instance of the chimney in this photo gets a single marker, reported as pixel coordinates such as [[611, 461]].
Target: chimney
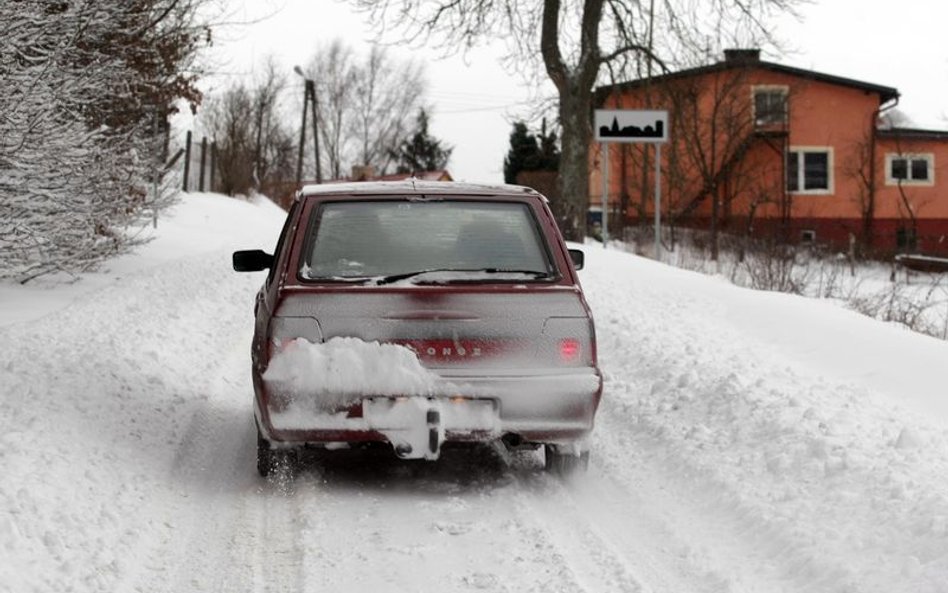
[[362, 172], [741, 56]]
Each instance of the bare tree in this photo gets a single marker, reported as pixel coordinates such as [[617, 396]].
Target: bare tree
[[576, 41], [365, 106], [254, 145], [860, 166], [713, 158], [388, 94], [229, 118], [272, 143], [334, 70]]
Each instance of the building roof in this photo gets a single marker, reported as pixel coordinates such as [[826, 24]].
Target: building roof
[[912, 134], [367, 173], [750, 59], [439, 175]]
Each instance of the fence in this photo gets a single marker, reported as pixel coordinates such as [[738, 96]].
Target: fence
[[199, 163]]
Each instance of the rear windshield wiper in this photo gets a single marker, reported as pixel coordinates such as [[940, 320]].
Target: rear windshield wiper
[[537, 275], [340, 279], [397, 277]]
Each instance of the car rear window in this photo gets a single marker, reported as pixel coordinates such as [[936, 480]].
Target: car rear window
[[434, 241]]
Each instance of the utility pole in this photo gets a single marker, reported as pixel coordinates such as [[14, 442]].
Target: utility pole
[[309, 94], [299, 160], [311, 86]]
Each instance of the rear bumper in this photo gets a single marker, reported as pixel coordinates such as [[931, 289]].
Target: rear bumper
[[539, 406]]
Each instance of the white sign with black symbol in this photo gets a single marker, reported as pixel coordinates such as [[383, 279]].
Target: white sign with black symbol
[[631, 125]]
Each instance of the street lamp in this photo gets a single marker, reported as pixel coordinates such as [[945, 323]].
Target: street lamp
[[309, 93]]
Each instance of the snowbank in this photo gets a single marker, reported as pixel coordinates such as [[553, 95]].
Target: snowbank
[[198, 223], [819, 431], [108, 386]]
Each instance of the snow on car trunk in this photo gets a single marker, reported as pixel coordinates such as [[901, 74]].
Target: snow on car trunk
[[343, 371]]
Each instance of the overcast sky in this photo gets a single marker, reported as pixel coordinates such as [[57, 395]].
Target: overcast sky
[[474, 100]]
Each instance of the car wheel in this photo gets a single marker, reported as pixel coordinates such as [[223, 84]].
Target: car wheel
[[565, 461], [272, 460]]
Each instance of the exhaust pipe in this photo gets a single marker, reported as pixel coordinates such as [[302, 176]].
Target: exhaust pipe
[[515, 442]]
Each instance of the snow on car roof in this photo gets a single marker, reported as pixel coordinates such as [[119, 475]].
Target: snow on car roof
[[418, 187]]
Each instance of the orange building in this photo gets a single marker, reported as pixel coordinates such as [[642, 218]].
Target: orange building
[[762, 149]]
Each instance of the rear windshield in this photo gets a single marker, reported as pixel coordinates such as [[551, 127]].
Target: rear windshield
[[425, 242]]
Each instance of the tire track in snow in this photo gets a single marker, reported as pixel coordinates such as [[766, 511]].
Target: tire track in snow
[[206, 516], [256, 527], [371, 522], [278, 552], [225, 529], [592, 563], [610, 537]]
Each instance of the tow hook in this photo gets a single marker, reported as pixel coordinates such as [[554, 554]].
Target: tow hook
[[413, 425], [434, 432]]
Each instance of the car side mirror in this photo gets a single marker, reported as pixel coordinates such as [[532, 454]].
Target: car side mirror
[[253, 260], [578, 257]]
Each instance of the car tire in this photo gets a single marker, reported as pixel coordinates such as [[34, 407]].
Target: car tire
[[565, 461], [272, 460]]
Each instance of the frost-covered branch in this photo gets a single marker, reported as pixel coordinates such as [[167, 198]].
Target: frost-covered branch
[[85, 93]]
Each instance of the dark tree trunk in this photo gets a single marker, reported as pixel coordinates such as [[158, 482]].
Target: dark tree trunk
[[575, 114], [575, 87]]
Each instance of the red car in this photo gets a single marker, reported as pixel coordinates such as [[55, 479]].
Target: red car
[[419, 313]]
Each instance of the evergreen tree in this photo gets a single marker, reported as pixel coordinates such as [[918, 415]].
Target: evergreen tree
[[530, 152], [549, 150], [524, 154], [421, 152]]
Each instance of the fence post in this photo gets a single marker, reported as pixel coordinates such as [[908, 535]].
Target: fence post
[[203, 160], [187, 160], [210, 185]]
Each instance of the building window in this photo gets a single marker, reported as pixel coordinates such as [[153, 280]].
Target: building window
[[770, 105], [808, 236], [906, 239], [810, 170], [909, 169]]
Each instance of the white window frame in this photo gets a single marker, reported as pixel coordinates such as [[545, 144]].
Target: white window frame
[[909, 157], [830, 172], [770, 88]]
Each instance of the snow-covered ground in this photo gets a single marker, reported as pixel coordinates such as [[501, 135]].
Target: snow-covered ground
[[747, 442]]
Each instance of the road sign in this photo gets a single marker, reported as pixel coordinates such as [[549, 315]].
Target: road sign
[[631, 125]]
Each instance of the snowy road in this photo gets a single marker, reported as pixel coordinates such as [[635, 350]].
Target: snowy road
[[728, 457]]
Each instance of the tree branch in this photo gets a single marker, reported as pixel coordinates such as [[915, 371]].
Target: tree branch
[[635, 48], [549, 44]]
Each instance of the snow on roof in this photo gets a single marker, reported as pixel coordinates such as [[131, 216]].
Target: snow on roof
[[416, 186]]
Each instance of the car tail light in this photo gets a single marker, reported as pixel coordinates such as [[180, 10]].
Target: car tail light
[[568, 341], [569, 350]]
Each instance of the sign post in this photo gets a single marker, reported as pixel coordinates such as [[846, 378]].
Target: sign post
[[631, 126], [604, 151]]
